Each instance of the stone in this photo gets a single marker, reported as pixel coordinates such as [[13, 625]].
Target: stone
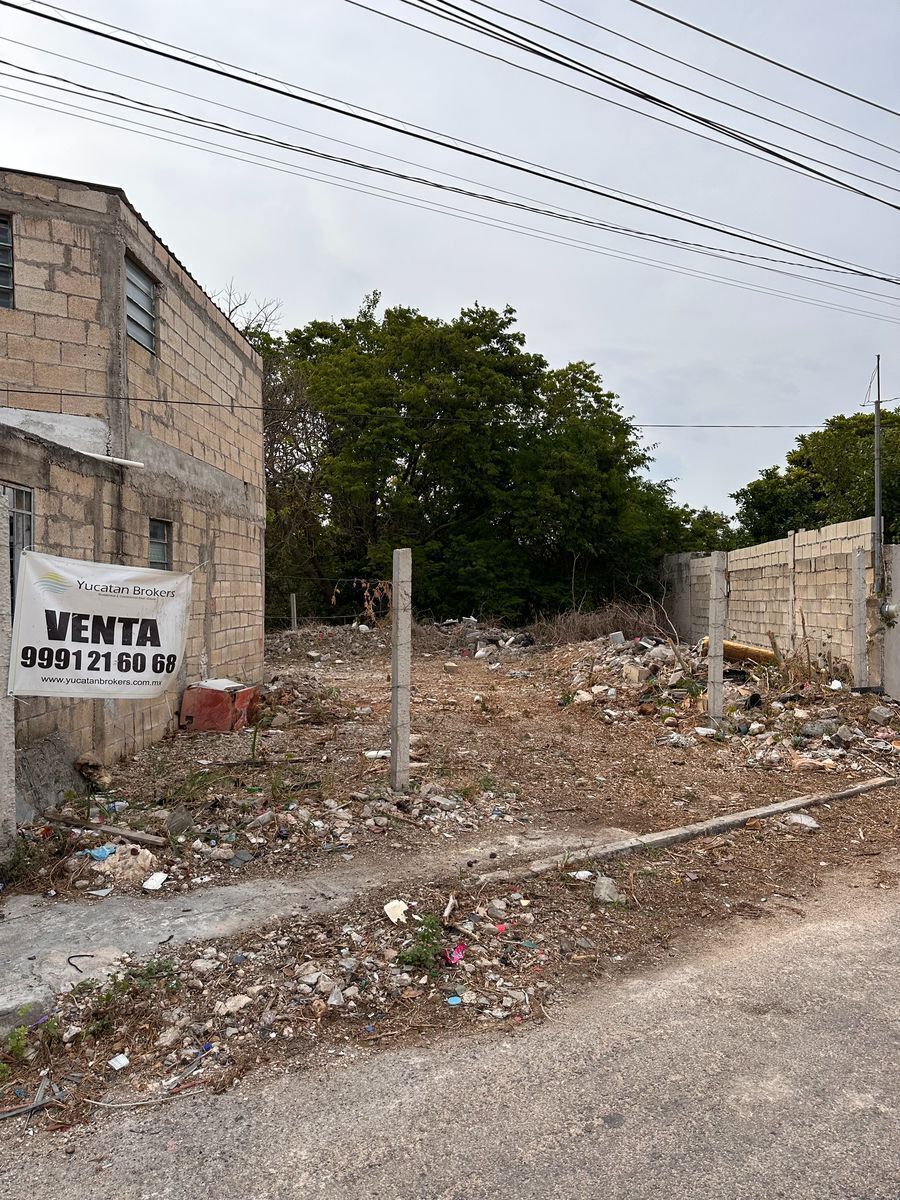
[[234, 1004], [756, 727], [583, 697], [204, 966], [663, 654], [313, 655], [844, 735], [606, 892], [279, 721], [881, 715], [818, 729], [222, 854], [451, 668]]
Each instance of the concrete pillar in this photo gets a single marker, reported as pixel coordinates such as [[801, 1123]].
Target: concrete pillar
[[792, 590], [718, 609], [860, 639], [7, 703], [294, 611], [401, 668]]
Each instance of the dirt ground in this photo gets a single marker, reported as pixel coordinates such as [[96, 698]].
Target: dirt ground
[[500, 749]]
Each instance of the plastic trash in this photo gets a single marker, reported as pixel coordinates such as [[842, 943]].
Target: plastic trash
[[454, 1000], [455, 955], [98, 853], [155, 881], [395, 910], [119, 1062]]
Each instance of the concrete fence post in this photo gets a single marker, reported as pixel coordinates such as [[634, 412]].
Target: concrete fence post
[[294, 611], [401, 668], [7, 703], [860, 638], [718, 608]]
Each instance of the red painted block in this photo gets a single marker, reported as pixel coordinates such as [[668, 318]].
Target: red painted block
[[216, 709]]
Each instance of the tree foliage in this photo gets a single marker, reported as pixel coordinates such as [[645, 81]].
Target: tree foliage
[[828, 477], [518, 486]]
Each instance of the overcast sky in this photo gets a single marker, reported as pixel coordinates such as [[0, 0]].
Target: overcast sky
[[676, 349]]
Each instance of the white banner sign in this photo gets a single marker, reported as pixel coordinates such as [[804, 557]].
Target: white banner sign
[[93, 629]]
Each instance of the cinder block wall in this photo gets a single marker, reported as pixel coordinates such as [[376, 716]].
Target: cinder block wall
[[799, 585]]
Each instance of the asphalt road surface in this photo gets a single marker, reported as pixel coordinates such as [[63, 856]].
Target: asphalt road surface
[[762, 1064]]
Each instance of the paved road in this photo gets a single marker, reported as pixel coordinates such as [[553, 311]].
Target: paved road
[[762, 1066]]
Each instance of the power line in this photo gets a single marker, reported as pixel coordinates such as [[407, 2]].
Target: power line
[[687, 88], [422, 133], [431, 420], [780, 155], [568, 215], [773, 62], [190, 142], [683, 62]]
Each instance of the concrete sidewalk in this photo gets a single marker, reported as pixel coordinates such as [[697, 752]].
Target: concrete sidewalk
[[37, 935], [763, 1065]]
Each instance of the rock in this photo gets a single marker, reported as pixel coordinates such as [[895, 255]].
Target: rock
[[675, 677], [204, 966], [663, 655], [844, 735], [756, 727], [803, 820], [829, 714], [606, 892], [583, 697], [313, 655], [881, 715], [680, 741], [222, 854], [451, 668], [633, 673], [71, 1034], [818, 729], [227, 1008], [279, 721]]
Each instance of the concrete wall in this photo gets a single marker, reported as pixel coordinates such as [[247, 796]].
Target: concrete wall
[[191, 413], [798, 584]]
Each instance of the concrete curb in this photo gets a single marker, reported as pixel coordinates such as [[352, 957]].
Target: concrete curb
[[686, 833]]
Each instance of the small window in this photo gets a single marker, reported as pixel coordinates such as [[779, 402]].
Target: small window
[[161, 545], [21, 527], [6, 263], [140, 306]]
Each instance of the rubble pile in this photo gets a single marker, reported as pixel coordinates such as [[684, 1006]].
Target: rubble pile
[[821, 724]]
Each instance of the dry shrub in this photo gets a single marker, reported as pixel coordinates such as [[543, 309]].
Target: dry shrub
[[580, 625]]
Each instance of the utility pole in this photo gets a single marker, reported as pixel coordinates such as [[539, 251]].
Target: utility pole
[[879, 557]]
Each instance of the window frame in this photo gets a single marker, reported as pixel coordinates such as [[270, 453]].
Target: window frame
[[7, 291], [141, 305], [23, 518], [167, 542]]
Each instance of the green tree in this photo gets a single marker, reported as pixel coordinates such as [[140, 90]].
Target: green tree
[[519, 487], [828, 477]]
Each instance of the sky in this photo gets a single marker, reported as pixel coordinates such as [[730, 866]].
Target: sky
[[675, 348]]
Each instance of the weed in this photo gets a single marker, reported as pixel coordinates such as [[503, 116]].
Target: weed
[[566, 699], [17, 1043], [5, 1073], [487, 783], [423, 953]]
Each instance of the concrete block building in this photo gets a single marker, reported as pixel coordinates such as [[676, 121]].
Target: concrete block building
[[130, 432]]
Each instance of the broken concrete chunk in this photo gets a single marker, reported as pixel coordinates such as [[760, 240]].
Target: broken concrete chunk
[[632, 673], [880, 714], [227, 1008], [451, 668], [617, 638]]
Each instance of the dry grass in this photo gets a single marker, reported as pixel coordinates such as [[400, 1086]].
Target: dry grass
[[579, 625]]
